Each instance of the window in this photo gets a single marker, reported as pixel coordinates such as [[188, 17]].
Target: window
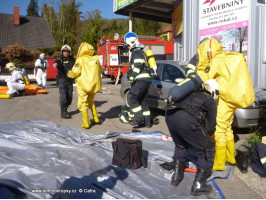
[[261, 2], [170, 73]]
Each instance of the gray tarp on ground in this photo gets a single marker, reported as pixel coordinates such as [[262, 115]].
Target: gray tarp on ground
[[44, 160]]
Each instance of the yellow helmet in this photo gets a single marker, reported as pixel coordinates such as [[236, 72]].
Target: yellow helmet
[[66, 48], [10, 66]]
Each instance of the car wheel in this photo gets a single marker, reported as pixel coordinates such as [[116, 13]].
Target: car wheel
[[126, 99]]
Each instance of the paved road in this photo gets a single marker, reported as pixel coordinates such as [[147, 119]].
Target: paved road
[[108, 103]]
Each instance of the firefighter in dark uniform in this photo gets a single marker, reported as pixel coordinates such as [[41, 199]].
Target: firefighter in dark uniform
[[140, 79], [191, 123], [64, 64]]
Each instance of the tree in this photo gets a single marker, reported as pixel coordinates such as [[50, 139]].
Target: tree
[[240, 35], [48, 13], [110, 27], [68, 22], [32, 9], [93, 25], [146, 27]]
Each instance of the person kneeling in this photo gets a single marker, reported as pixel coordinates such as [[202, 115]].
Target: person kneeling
[[15, 83]]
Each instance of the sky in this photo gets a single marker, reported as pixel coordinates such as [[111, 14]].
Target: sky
[[106, 6]]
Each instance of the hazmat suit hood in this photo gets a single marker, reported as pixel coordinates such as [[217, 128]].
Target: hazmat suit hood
[[208, 50], [85, 49], [224, 67]]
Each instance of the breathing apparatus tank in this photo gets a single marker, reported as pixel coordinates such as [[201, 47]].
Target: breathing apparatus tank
[[25, 75], [27, 82], [151, 60], [192, 83]]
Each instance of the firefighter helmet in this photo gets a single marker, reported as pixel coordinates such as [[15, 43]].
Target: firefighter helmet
[[131, 39], [10, 66], [66, 48], [212, 87]]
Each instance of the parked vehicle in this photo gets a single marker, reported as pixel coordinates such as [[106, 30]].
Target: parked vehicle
[[170, 73]]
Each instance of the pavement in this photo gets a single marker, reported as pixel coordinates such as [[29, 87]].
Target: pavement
[[108, 103]]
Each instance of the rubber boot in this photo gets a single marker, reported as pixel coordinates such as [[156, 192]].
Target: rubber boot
[[242, 159], [65, 108], [85, 117], [64, 113], [199, 186], [95, 115], [147, 121], [178, 173], [230, 152], [219, 158]]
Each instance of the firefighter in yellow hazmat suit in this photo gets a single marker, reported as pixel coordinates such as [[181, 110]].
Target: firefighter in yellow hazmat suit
[[230, 70], [87, 72]]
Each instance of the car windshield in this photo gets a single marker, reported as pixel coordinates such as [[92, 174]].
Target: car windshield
[[170, 73]]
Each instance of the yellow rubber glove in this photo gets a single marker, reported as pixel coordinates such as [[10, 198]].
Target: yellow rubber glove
[[71, 74]]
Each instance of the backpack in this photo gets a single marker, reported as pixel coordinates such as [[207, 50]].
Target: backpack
[[128, 153], [43, 64]]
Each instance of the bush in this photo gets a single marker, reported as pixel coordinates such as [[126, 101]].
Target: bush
[[19, 55], [257, 134], [49, 51], [17, 52]]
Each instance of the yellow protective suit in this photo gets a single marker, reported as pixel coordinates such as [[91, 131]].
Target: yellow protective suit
[[230, 70], [87, 72]]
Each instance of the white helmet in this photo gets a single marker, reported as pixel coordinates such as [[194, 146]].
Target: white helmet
[[42, 55], [212, 87], [10, 66], [131, 39], [66, 48]]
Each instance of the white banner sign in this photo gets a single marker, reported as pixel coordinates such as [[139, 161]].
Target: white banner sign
[[227, 21]]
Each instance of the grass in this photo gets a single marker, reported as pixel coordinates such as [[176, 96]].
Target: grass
[[257, 134]]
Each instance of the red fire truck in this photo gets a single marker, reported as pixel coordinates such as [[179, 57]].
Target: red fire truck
[[115, 60]]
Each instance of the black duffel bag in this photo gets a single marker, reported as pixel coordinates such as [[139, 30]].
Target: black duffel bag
[[128, 153]]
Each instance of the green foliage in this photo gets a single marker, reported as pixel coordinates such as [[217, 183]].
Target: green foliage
[[70, 26], [93, 25], [257, 134], [32, 9], [110, 27], [49, 50], [48, 13], [146, 27], [68, 22], [65, 24]]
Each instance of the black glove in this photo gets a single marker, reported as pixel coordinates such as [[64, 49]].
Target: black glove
[[168, 165], [170, 101]]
